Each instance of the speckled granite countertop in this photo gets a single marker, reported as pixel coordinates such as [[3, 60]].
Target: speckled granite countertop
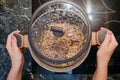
[[16, 14]]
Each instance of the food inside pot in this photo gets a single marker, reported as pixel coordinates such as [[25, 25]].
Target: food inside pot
[[64, 47]]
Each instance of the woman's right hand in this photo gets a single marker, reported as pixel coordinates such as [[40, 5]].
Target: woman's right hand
[[106, 49], [103, 56]]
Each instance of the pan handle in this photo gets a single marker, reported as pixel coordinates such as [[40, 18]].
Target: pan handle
[[22, 40], [98, 37]]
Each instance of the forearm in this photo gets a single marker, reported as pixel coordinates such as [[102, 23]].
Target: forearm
[[15, 73], [101, 72]]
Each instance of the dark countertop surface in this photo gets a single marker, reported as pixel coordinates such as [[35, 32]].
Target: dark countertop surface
[[16, 14]]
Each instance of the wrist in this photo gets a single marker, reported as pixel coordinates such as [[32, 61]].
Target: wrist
[[102, 64], [17, 68], [17, 65]]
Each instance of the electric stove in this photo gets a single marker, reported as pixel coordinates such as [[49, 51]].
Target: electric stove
[[102, 13]]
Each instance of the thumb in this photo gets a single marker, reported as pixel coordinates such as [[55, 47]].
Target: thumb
[[14, 42]]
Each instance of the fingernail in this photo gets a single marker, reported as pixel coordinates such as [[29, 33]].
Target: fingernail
[[109, 32]]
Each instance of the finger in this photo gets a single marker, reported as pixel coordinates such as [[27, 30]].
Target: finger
[[107, 38], [15, 32], [113, 43], [8, 44], [9, 40], [14, 42], [103, 28]]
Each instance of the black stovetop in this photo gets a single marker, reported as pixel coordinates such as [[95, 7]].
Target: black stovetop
[[105, 13]]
